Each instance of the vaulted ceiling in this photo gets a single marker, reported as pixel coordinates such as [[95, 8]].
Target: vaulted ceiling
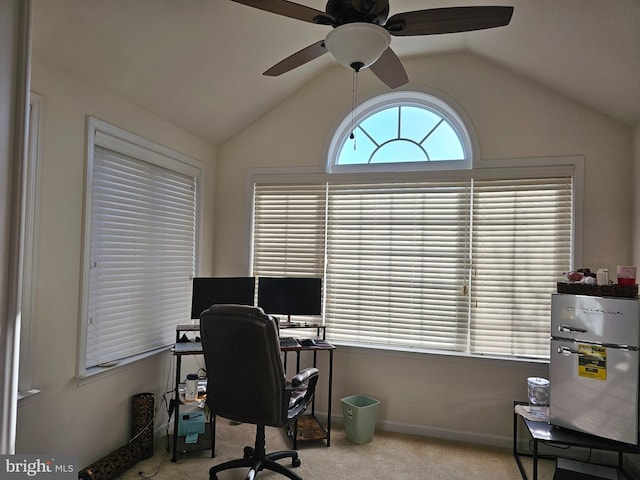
[[199, 63]]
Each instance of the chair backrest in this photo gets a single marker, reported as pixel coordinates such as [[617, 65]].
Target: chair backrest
[[246, 379]]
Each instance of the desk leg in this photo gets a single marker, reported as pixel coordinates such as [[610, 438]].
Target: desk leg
[[535, 459], [515, 434], [329, 400], [516, 454], [212, 425], [313, 400], [176, 408], [295, 423]]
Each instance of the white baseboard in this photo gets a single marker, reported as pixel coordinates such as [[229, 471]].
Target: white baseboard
[[446, 434], [432, 432]]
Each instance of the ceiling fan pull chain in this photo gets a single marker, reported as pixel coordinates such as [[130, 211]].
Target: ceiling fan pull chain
[[354, 105]]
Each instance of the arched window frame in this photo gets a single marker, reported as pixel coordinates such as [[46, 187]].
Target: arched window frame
[[432, 101]]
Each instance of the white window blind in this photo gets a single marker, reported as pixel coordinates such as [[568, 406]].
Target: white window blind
[[397, 264], [521, 243], [142, 255], [288, 232], [461, 266]]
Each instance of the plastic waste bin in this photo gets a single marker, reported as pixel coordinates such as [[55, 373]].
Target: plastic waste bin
[[360, 415]]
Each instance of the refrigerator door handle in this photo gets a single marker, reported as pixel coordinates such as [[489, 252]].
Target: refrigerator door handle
[[567, 351], [563, 327]]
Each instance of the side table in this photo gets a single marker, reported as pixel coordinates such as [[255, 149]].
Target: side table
[[553, 435]]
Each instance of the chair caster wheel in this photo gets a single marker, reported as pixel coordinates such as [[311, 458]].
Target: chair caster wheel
[[295, 462], [248, 452]]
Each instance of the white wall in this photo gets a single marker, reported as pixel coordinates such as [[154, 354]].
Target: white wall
[[634, 460], [92, 419], [636, 195], [514, 118]]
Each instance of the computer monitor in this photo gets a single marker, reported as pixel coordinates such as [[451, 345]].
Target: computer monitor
[[208, 291], [290, 295]]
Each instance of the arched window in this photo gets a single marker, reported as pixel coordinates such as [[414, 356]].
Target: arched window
[[418, 260], [399, 131]]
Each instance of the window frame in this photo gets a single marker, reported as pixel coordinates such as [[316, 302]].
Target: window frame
[[32, 176], [430, 100], [132, 145]]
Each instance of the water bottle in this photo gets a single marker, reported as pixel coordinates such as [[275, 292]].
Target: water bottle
[[191, 387], [602, 276]]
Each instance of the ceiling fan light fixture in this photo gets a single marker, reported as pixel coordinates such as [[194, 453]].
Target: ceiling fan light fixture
[[357, 45]]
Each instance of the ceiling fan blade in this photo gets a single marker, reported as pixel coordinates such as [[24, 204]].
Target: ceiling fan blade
[[299, 58], [448, 20], [389, 69], [289, 9]]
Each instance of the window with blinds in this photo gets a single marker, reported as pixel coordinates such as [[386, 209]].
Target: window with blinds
[[141, 250], [521, 243], [396, 264], [461, 266], [288, 230]]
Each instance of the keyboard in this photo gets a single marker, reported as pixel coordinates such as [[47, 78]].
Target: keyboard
[[289, 342]]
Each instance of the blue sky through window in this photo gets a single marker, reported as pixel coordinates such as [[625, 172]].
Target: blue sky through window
[[401, 134]]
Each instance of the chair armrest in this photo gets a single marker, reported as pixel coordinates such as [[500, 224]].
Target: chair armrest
[[303, 376], [298, 393]]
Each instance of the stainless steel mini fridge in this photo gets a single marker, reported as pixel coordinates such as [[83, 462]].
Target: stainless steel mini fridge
[[593, 368]]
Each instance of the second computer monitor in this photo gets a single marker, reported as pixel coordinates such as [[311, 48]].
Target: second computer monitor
[[290, 295]]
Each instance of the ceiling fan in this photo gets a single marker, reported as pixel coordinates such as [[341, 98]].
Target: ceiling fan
[[362, 32]]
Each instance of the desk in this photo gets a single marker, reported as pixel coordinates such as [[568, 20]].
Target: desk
[[552, 435], [308, 427]]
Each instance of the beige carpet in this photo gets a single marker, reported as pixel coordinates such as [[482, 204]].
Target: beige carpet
[[388, 456]]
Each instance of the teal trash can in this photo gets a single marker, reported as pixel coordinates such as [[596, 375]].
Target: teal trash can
[[360, 415]]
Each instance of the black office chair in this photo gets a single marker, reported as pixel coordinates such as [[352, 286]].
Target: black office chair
[[246, 382]]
